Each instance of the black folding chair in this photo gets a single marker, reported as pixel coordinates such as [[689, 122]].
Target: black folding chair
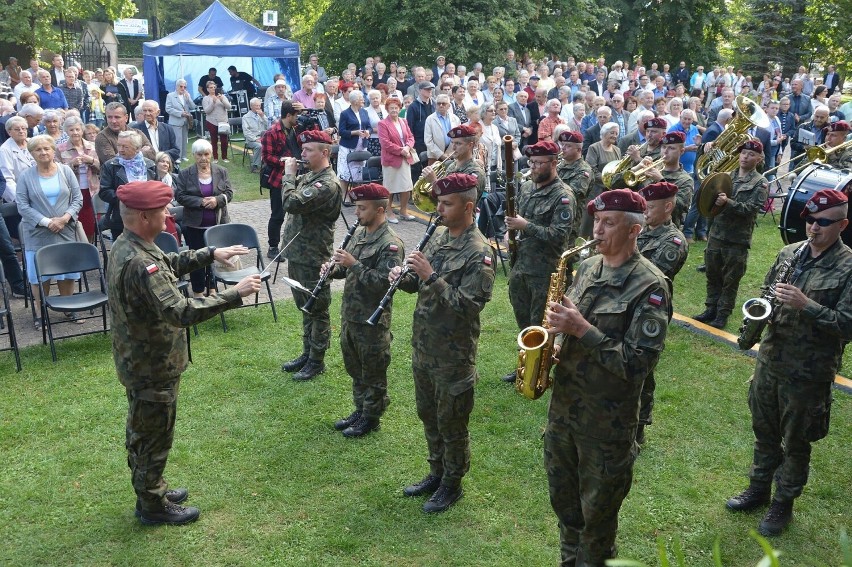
[[356, 156], [167, 243], [372, 172], [9, 212], [69, 258], [7, 325], [223, 235]]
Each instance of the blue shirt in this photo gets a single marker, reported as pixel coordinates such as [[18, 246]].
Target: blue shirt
[[687, 160], [445, 124], [54, 99]]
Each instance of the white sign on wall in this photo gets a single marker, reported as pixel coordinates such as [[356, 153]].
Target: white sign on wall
[[270, 18], [131, 26]]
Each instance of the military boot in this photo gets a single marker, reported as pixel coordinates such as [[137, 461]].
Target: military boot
[[640, 434], [175, 496], [428, 485], [310, 370], [295, 364], [172, 514], [708, 315], [362, 427], [721, 320], [776, 519], [510, 377], [443, 498], [752, 497], [345, 422]]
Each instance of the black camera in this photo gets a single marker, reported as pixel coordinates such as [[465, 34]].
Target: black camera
[[311, 119]]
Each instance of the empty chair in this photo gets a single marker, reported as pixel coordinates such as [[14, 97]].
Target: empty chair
[[167, 243]]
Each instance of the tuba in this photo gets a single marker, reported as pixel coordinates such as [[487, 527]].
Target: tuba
[[722, 156], [536, 342], [421, 194]]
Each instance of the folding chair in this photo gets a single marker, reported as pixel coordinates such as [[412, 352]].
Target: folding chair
[[228, 235], [7, 323], [372, 172], [69, 258], [9, 212], [167, 243]]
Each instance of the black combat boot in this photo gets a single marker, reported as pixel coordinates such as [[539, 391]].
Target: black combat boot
[[310, 370], [776, 519], [708, 315], [428, 485], [175, 496], [345, 422], [295, 364], [362, 427], [443, 498], [701, 268], [640, 434], [752, 497], [510, 377], [172, 514], [721, 320]]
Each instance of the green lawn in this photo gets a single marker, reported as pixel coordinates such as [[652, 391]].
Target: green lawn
[[277, 485]]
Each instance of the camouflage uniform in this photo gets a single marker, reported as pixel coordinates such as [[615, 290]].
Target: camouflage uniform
[[313, 201], [653, 153], [730, 238], [366, 348], [471, 167], [790, 394], [149, 348], [550, 213], [578, 177], [589, 444], [444, 340], [685, 185], [841, 160], [666, 248]]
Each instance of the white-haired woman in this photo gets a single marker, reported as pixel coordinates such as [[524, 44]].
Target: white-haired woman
[[204, 190], [79, 154], [376, 111], [52, 122], [355, 130], [600, 154], [127, 165], [179, 107]]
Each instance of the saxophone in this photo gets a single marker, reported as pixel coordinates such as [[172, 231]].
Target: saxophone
[[758, 311], [536, 342]]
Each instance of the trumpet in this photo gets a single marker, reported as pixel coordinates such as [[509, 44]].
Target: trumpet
[[634, 178], [421, 193], [309, 304], [814, 154]]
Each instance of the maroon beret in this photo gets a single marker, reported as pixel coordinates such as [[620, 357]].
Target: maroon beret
[[542, 148], [145, 195], [822, 200], [839, 126], [657, 123], [462, 131], [571, 136], [617, 200], [309, 136], [674, 138], [660, 190], [454, 183], [753, 145], [369, 192]]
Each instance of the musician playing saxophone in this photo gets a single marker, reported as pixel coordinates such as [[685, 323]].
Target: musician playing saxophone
[[545, 217], [613, 320], [790, 392], [672, 147], [835, 134], [463, 141], [452, 277], [372, 252]]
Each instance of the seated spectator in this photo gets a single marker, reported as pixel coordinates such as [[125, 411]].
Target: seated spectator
[[15, 159], [254, 125], [128, 165], [80, 156]]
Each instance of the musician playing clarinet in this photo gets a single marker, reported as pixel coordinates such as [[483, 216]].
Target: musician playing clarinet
[[790, 392], [372, 251], [313, 201], [462, 143], [452, 277]]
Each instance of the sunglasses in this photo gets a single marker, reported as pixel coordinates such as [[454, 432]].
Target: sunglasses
[[822, 222]]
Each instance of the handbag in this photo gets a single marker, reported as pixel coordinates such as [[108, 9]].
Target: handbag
[[190, 122], [224, 128], [265, 172]]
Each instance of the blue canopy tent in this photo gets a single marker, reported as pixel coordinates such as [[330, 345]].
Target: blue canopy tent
[[216, 38]]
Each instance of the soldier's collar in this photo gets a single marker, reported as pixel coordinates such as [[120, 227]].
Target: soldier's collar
[[148, 246], [617, 276]]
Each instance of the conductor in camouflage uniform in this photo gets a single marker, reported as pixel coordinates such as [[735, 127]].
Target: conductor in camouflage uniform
[[462, 145], [665, 246], [148, 314], [545, 216], [371, 253], [790, 392], [313, 202], [613, 321], [730, 235], [672, 149], [576, 174], [835, 134], [453, 277]]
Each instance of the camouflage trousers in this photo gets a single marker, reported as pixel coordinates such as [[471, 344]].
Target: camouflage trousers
[[646, 399], [150, 431], [588, 480], [726, 265], [528, 295], [787, 415], [445, 414], [316, 325], [366, 356]]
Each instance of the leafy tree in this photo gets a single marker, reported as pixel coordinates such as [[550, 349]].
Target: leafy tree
[[769, 33], [829, 35]]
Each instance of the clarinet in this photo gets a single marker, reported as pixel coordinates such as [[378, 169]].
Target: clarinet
[[309, 304], [383, 304]]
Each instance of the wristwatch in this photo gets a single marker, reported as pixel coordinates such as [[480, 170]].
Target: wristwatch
[[211, 250], [431, 279]]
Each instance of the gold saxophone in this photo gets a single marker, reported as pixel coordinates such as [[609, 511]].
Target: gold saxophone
[[536, 342]]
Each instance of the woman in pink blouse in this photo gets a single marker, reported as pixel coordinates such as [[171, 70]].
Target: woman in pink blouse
[[398, 154]]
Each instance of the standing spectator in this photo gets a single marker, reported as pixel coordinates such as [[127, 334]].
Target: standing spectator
[[437, 126], [165, 167], [27, 85], [50, 96], [107, 141], [398, 153], [132, 90], [13, 70], [277, 144], [686, 124], [34, 69], [216, 106], [75, 95], [416, 116], [313, 63], [549, 122], [681, 76], [599, 154], [831, 80], [354, 132], [97, 109], [179, 107], [242, 81], [376, 113], [161, 136], [128, 165], [210, 76], [52, 124], [80, 156], [272, 104], [15, 158], [254, 125], [305, 95], [110, 89]]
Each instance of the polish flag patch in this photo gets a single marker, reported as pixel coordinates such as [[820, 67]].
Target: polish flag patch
[[677, 240], [318, 185], [152, 269], [393, 248], [586, 173], [566, 200], [655, 299], [486, 260]]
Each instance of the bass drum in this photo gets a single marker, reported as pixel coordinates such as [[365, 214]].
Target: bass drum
[[812, 179]]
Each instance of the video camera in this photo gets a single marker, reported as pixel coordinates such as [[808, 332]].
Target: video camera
[[311, 119]]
